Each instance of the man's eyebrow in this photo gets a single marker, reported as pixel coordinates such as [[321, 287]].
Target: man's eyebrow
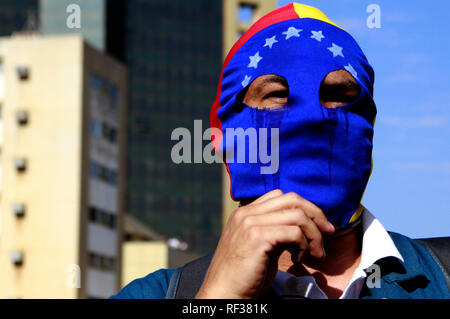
[[275, 79]]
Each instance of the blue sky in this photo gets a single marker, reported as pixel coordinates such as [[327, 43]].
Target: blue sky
[[409, 191]]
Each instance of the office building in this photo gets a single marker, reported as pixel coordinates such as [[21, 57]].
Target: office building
[[62, 168], [18, 15], [173, 50]]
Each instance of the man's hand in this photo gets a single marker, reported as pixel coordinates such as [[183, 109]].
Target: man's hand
[[246, 259]]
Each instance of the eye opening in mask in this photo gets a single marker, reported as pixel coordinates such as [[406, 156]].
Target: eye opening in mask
[[268, 91], [338, 88]]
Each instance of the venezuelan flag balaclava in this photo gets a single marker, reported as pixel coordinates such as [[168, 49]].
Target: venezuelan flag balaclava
[[324, 154]]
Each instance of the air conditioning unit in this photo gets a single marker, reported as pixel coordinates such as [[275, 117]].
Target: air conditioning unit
[[23, 72], [20, 164], [22, 117], [18, 209], [16, 257]]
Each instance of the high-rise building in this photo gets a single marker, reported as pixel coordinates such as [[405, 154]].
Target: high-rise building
[[173, 50], [100, 22], [62, 168], [18, 15], [56, 17]]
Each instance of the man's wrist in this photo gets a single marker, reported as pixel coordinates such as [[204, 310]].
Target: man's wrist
[[215, 293]]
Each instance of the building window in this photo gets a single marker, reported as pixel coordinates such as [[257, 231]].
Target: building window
[[22, 117], [104, 131], [102, 217], [20, 164], [18, 209], [96, 129], [103, 173], [16, 257], [104, 95], [246, 13], [100, 262], [23, 72]]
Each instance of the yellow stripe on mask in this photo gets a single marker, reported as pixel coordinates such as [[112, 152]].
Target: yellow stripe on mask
[[304, 11], [357, 214]]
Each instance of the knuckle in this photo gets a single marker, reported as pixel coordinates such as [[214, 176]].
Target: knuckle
[[299, 215], [247, 222], [277, 191], [294, 197], [297, 232], [318, 237], [238, 213], [253, 233]]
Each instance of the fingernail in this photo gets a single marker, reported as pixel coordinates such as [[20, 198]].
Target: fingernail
[[324, 254], [331, 226]]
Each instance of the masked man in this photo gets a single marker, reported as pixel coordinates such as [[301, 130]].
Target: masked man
[[304, 87]]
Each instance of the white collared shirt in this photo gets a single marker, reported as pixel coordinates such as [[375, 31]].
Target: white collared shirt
[[376, 244]]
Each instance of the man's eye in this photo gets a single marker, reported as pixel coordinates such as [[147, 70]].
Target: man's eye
[[337, 94], [277, 94]]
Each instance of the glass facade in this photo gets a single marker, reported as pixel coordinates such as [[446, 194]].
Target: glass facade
[[173, 51], [54, 15], [17, 15]]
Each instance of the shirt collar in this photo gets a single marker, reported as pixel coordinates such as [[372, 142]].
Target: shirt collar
[[376, 242]]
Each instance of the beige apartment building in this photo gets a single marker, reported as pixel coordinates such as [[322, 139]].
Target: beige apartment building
[[62, 134]]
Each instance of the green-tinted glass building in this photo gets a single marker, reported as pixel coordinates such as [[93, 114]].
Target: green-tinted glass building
[[173, 50], [18, 15], [56, 17]]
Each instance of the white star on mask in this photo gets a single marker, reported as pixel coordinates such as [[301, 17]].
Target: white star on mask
[[337, 50], [254, 60], [246, 81], [292, 32], [317, 35], [270, 42], [352, 71]]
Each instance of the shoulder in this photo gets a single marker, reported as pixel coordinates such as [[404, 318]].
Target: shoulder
[[418, 260], [405, 243], [412, 251], [152, 286], [409, 246]]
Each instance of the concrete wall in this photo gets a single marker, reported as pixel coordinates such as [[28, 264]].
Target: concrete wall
[[54, 235], [49, 233], [143, 257]]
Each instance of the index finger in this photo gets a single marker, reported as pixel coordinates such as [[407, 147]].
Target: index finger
[[291, 201], [272, 194]]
